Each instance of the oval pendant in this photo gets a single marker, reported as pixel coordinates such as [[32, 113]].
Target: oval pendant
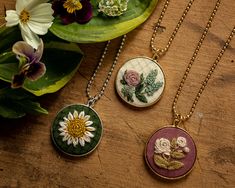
[[76, 130], [170, 153], [140, 82]]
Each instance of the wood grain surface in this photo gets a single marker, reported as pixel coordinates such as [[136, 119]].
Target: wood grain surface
[[29, 159]]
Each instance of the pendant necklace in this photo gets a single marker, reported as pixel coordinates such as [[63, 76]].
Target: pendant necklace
[[77, 129], [171, 152], [140, 82]]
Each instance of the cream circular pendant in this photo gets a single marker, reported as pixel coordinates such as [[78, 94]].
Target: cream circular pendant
[[140, 82]]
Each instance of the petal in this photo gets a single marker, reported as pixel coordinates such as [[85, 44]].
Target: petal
[[62, 134], [36, 71], [28, 36], [11, 18], [66, 137], [75, 114], [70, 116], [34, 3], [87, 133], [75, 141], [23, 49], [63, 124], [87, 117], [66, 119], [81, 114], [39, 28], [82, 142], [87, 138], [38, 53], [69, 141], [85, 14], [61, 129], [89, 123], [42, 13], [90, 128], [18, 80], [20, 5]]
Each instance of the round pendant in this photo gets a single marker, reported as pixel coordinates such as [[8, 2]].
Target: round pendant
[[171, 153], [140, 82], [76, 130]]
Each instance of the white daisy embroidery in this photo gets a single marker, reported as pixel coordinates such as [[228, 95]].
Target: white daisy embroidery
[[76, 128]]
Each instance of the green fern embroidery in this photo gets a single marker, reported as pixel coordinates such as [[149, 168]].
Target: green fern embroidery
[[146, 88]]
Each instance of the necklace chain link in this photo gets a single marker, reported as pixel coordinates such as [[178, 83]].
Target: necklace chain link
[[178, 117], [158, 52], [93, 99]]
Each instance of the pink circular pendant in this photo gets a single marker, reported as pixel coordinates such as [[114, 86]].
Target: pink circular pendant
[[170, 153]]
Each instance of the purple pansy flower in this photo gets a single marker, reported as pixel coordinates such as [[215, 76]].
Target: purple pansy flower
[[70, 11], [30, 65]]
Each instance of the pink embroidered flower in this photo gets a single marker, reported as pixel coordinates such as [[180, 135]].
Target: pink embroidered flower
[[132, 78]]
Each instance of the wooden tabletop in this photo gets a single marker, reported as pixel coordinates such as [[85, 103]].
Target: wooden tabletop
[[29, 159]]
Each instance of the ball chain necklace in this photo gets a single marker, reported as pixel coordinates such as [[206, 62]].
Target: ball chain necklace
[[171, 152], [140, 82], [77, 128]]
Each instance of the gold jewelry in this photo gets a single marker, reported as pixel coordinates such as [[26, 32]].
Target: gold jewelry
[[77, 129], [141, 81], [171, 152]]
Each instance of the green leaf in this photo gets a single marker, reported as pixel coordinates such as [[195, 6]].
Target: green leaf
[[61, 59], [161, 162], [177, 155], [139, 88], [31, 107], [103, 28], [9, 110], [174, 165], [8, 36], [128, 92], [141, 97], [150, 79], [14, 94], [123, 82], [16, 103], [141, 78]]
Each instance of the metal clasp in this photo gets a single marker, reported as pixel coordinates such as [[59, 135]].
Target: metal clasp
[[177, 120], [158, 53], [91, 101]]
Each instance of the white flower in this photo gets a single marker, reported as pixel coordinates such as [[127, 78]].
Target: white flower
[[76, 128], [163, 145], [113, 7], [34, 18], [181, 141]]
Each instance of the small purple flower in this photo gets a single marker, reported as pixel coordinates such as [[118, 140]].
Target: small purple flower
[[70, 11], [132, 77], [30, 65]]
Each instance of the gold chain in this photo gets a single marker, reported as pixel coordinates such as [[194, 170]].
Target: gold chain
[[158, 52], [93, 99], [178, 117]]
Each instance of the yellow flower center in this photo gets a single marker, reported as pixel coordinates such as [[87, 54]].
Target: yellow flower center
[[72, 5], [76, 128], [24, 16]]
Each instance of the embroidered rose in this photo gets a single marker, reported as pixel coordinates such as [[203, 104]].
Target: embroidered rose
[[163, 145], [181, 141], [132, 78]]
